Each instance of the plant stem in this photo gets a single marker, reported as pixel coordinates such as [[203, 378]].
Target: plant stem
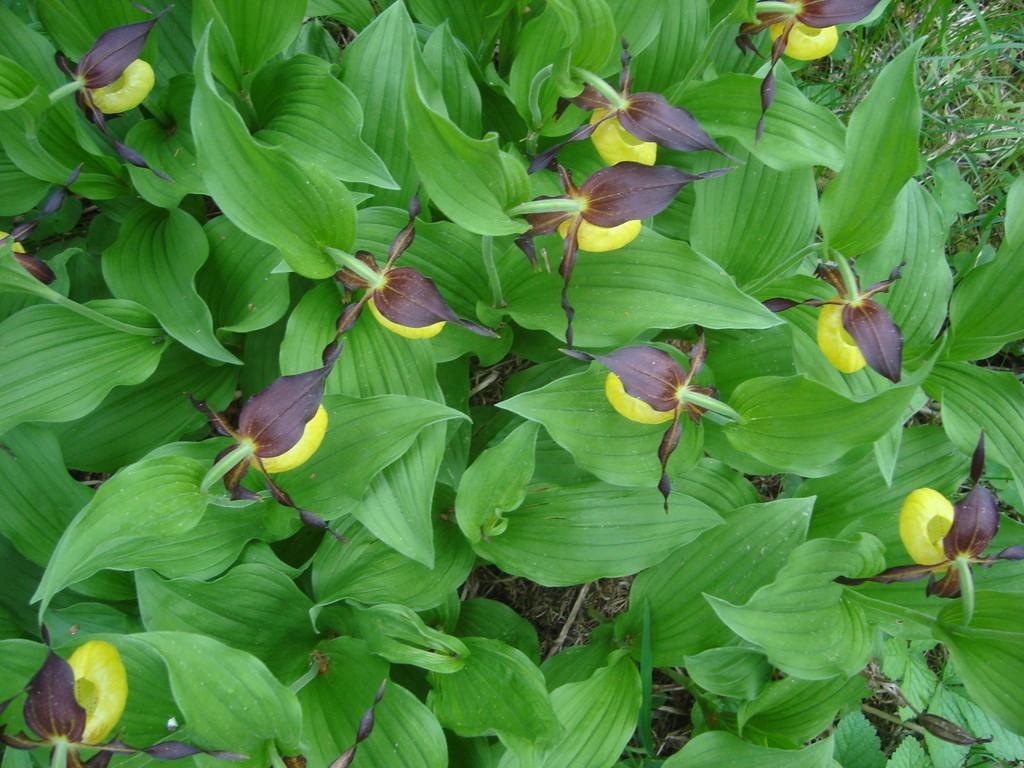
[[774, 6], [546, 206], [883, 715], [306, 678], [275, 758], [709, 404], [373, 278], [614, 98], [66, 90], [848, 277], [487, 251], [60, 754], [225, 465], [966, 589], [536, 117]]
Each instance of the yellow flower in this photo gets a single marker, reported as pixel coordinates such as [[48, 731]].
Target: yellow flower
[[807, 43], [837, 345], [594, 239], [127, 92], [300, 453], [101, 687], [925, 519], [616, 145], [425, 332], [633, 408]]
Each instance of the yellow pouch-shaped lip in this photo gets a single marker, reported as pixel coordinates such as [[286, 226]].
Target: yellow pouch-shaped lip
[[101, 687], [617, 145], [835, 343], [301, 452], [633, 408], [807, 43], [925, 519], [127, 92]]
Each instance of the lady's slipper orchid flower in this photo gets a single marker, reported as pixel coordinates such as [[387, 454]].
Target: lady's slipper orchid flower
[[74, 704], [629, 126], [279, 429], [602, 214], [111, 79], [853, 329], [649, 386], [803, 29], [945, 538], [401, 299]]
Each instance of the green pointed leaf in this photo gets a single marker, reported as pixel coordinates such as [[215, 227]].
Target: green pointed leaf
[[256, 30], [498, 692], [798, 425], [978, 331], [791, 711], [658, 283], [46, 338], [254, 608], [446, 60], [496, 483], [295, 207], [858, 206], [374, 68], [576, 413], [598, 717], [797, 132], [306, 111], [803, 620], [16, 85], [398, 634], [404, 732], [38, 498], [473, 22], [989, 653], [471, 180], [679, 31], [730, 562], [236, 280], [230, 700], [154, 262], [364, 569], [755, 221], [572, 535], [718, 748], [735, 672], [480, 617]]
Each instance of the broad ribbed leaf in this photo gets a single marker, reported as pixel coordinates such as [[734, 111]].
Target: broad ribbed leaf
[[366, 570], [405, 733], [499, 691], [989, 653], [137, 508], [253, 607], [859, 205], [804, 622], [798, 425], [305, 110], [797, 132], [298, 208], [446, 60], [678, 38], [718, 748], [572, 535], [795, 711], [987, 309], [735, 671], [154, 262], [16, 85], [652, 283], [45, 346], [729, 561]]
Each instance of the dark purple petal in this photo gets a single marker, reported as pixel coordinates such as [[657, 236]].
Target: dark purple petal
[[698, 355], [543, 160], [348, 317], [877, 336], [978, 459], [36, 267], [234, 477], [828, 13], [570, 250], [650, 117], [948, 586], [669, 442], [630, 191], [99, 760], [647, 373], [364, 731], [411, 299], [947, 730], [353, 281], [51, 709], [21, 741], [544, 223], [217, 422], [975, 524], [134, 158], [590, 98], [768, 84], [830, 274], [401, 242], [276, 417], [170, 750], [898, 573], [780, 305], [1011, 553], [114, 50], [625, 78], [883, 286]]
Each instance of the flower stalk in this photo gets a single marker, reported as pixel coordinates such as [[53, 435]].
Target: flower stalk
[[374, 279], [239, 454]]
